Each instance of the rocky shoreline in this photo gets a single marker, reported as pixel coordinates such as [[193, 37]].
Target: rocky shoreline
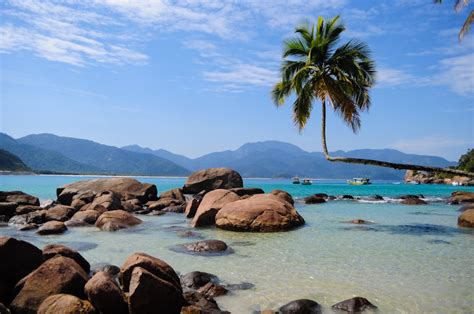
[[210, 197]]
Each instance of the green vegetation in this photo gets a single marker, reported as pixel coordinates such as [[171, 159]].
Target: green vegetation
[[314, 68], [11, 162], [466, 161]]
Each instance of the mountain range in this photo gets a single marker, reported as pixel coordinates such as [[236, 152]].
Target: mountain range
[[48, 152]]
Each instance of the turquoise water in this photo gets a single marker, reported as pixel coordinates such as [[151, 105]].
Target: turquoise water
[[414, 259]]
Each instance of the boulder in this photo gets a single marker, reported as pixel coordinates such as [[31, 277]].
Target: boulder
[[18, 197], [128, 188], [86, 217], [109, 200], [466, 219], [465, 207], [174, 209], [212, 179], [151, 294], [206, 246], [57, 275], [461, 197], [8, 208], [377, 198], [132, 205], [65, 304], [176, 194], [261, 212], [302, 306], [26, 209], [212, 290], [199, 304], [18, 259], [109, 269], [27, 227], [105, 294], [347, 197], [152, 264], [78, 204], [163, 203], [315, 199], [37, 217], [192, 206], [116, 219], [354, 305], [93, 206], [52, 227], [283, 195], [59, 213], [197, 279], [413, 201], [247, 191], [210, 206], [52, 250]]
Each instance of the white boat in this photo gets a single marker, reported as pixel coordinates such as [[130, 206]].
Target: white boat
[[359, 181], [307, 182], [296, 180]]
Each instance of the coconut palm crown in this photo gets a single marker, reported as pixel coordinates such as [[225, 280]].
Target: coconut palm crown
[[314, 68]]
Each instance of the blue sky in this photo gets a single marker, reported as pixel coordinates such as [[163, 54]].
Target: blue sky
[[195, 76]]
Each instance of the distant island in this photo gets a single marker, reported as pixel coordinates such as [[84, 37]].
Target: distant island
[[48, 153]]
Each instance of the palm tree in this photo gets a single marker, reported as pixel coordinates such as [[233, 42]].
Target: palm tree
[[315, 69], [458, 5]]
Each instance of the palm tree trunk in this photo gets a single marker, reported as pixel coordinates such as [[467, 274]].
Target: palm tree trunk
[[379, 163]]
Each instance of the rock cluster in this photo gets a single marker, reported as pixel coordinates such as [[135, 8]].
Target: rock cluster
[[432, 178]]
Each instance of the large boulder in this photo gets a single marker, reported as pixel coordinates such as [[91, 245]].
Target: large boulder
[[461, 197], [105, 294], [108, 200], [354, 305], [176, 194], [152, 264], [128, 188], [65, 304], [261, 212], [57, 275], [212, 179], [59, 213], [52, 227], [466, 219], [52, 250], [116, 219], [210, 206], [84, 217], [26, 209], [18, 197], [283, 195], [151, 294], [302, 306], [18, 259], [8, 209]]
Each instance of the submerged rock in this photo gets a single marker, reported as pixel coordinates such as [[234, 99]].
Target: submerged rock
[[65, 304], [316, 199], [116, 219], [52, 227], [261, 212], [212, 290], [413, 201], [359, 222], [206, 246], [354, 305], [212, 179], [466, 219], [302, 306], [197, 279]]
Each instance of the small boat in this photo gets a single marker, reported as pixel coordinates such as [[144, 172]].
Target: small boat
[[296, 180], [456, 183], [359, 181], [307, 182]]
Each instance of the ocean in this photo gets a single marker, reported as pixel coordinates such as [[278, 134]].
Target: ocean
[[413, 259]]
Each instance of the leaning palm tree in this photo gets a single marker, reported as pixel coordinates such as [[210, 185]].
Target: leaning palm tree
[[315, 69], [458, 5]]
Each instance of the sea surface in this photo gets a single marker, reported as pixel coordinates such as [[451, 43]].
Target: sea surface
[[413, 259]]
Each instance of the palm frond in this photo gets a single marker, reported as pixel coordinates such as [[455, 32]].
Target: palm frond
[[466, 26]]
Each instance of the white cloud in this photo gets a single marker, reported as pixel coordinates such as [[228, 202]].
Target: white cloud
[[458, 73], [393, 77], [243, 74]]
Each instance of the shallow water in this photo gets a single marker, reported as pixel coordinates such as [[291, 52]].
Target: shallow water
[[414, 259]]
